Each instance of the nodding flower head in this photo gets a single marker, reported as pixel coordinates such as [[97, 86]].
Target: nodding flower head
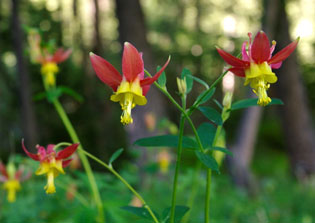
[[47, 57], [51, 162], [257, 63], [50, 63], [12, 178], [129, 88]]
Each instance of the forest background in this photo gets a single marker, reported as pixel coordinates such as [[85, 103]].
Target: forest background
[[273, 147]]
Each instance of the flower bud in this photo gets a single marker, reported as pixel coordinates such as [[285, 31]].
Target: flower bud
[[227, 100], [182, 86], [11, 170]]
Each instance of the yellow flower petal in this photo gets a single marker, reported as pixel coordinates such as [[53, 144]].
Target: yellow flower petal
[[52, 169], [50, 187], [259, 76], [12, 186], [128, 95]]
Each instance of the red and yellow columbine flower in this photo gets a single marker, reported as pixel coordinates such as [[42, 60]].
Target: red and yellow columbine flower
[[12, 179], [49, 64], [131, 87], [51, 162], [257, 64], [44, 57]]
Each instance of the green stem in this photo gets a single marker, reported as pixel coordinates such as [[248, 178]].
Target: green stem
[[187, 114], [84, 160], [195, 133], [123, 181], [209, 175], [208, 90], [178, 159]]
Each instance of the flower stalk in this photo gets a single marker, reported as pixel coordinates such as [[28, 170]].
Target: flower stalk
[[74, 137], [111, 169], [178, 159]]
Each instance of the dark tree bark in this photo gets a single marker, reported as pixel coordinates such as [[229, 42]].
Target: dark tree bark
[[27, 112], [243, 149], [97, 35], [295, 114]]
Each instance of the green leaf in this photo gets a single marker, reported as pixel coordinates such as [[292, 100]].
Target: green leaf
[[205, 95], [211, 114], [139, 211], [115, 155], [189, 81], [71, 93], [166, 141], [180, 212], [224, 150], [206, 132], [207, 160], [218, 104], [199, 81], [40, 96], [245, 103], [53, 94], [162, 79]]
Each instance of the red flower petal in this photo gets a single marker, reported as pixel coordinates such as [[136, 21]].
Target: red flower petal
[[232, 60], [41, 152], [132, 63], [260, 50], [65, 153], [66, 163], [150, 80], [61, 55], [284, 53], [276, 65], [238, 71], [50, 148], [145, 89], [31, 155], [105, 71], [3, 170], [245, 56]]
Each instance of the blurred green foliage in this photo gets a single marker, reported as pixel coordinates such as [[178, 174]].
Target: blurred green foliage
[[280, 198], [188, 32]]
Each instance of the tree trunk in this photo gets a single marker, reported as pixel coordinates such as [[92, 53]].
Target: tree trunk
[[243, 148], [27, 112], [97, 48], [295, 114]]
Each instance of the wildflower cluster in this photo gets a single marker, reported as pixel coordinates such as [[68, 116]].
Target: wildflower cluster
[[12, 178], [51, 162], [48, 57], [257, 63], [130, 88]]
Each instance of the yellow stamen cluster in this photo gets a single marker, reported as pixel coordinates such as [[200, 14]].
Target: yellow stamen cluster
[[49, 71], [12, 186], [52, 169], [128, 94], [259, 76]]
